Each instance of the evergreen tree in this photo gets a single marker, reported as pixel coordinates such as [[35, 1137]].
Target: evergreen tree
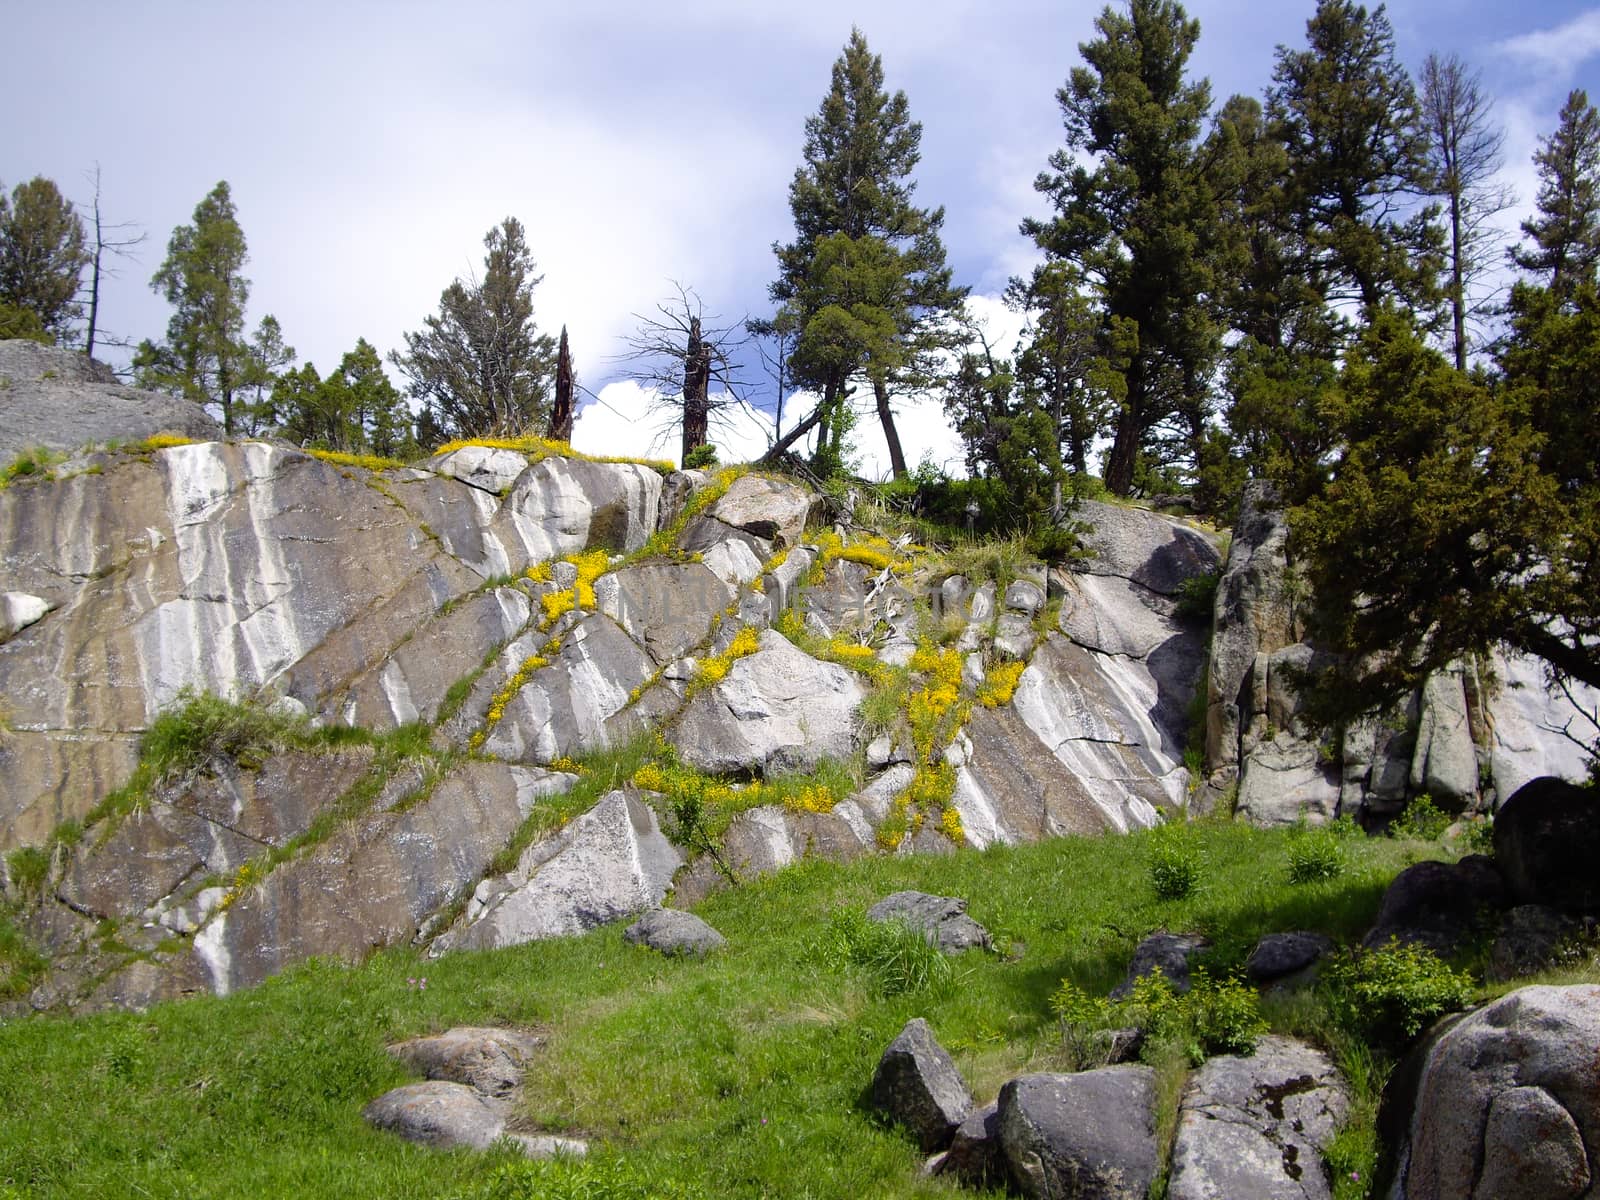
[[42, 255], [1140, 220], [355, 410], [481, 365], [1565, 235], [860, 243], [205, 355], [1348, 117]]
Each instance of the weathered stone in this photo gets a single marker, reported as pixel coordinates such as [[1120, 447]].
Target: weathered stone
[[917, 1085], [486, 468], [673, 932], [1287, 782], [1502, 1104], [665, 607], [56, 399], [776, 710], [942, 920], [1439, 905], [1159, 552], [1014, 636], [1531, 939], [544, 1145], [1445, 761], [439, 1114], [1254, 1128], [775, 510], [1279, 954], [1089, 1136], [489, 1060], [1165, 954], [1024, 596], [609, 863], [1547, 845], [974, 1156], [1115, 616], [18, 610]]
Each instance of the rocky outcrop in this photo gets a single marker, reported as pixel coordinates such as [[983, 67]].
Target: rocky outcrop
[[1502, 1103], [1164, 954], [1254, 1128], [1440, 905], [57, 399]]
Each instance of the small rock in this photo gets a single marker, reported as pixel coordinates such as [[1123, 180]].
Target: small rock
[[1280, 954], [489, 1060], [1531, 939], [1024, 596], [1162, 954], [1089, 1136], [917, 1085], [673, 932], [18, 610], [1438, 905], [974, 1156], [943, 919], [438, 1114]]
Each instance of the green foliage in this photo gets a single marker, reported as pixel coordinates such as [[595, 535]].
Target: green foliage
[[597, 1177], [1197, 597], [42, 255], [30, 464], [480, 366], [1565, 233], [28, 867], [1391, 994], [1176, 863], [200, 729], [1315, 855], [701, 458], [900, 960], [355, 410], [1212, 1017], [1421, 821]]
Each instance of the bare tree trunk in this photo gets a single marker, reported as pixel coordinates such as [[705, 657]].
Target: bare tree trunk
[[94, 280], [1458, 281], [1124, 452], [561, 413], [696, 391], [897, 457]]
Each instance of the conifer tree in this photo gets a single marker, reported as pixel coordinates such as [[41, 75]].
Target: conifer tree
[[42, 254], [865, 278], [481, 365], [1565, 234], [205, 355], [1140, 221]]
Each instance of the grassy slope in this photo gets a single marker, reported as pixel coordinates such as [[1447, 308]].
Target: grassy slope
[[742, 1075]]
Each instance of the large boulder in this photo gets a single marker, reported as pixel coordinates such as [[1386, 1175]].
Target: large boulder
[[610, 863], [488, 1060], [58, 399], [673, 933], [774, 510], [439, 1114], [942, 920], [1254, 1128], [1503, 1103], [917, 1085], [1547, 845], [1440, 905], [1089, 1136], [1156, 551], [776, 710]]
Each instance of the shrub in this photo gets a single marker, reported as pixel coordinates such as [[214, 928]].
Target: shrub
[[1175, 865], [700, 458], [27, 868], [1084, 1020], [1315, 854], [900, 960], [1212, 1017], [1421, 820], [1391, 994], [1197, 597]]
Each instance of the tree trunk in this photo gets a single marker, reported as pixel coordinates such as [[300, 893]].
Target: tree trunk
[[1124, 452], [1458, 297], [696, 391], [897, 457], [561, 413]]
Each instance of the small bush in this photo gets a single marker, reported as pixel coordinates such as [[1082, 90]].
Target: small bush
[[900, 960], [1175, 865], [1390, 995], [1315, 855], [202, 729], [1084, 1020], [701, 458], [1421, 821], [28, 867], [1197, 597], [1212, 1017]]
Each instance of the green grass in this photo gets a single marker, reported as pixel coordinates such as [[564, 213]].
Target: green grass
[[738, 1075]]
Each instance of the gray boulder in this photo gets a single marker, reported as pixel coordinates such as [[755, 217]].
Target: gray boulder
[[439, 1114], [1439, 905], [488, 1060], [1503, 1104], [974, 1156], [672, 932], [1165, 954], [917, 1085], [774, 510], [1089, 1136], [1159, 552], [59, 400], [776, 710], [1531, 939], [1254, 1128], [942, 920], [1278, 955], [1547, 844]]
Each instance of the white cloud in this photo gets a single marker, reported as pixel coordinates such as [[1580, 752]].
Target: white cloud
[[1560, 49]]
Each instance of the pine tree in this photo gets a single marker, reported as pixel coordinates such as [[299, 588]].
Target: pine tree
[[481, 365], [855, 185], [1141, 222], [42, 255], [1565, 234], [205, 355], [1348, 117]]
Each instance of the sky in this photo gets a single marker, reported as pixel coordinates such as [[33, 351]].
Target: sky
[[370, 146]]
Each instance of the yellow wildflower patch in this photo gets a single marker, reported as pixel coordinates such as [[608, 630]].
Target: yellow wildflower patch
[[538, 449], [161, 441], [369, 462], [506, 694], [557, 604], [709, 672], [1000, 684], [539, 572]]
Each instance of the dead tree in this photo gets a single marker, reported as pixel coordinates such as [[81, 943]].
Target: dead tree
[[561, 413], [679, 355], [106, 240]]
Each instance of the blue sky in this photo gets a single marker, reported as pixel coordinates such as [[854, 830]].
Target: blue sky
[[370, 145]]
